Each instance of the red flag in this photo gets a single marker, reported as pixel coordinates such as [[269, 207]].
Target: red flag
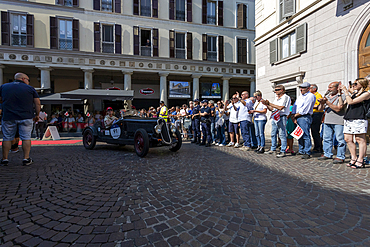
[[88, 114], [66, 114]]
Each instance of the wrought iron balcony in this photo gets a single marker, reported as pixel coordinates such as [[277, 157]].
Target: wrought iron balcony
[[180, 15], [180, 53], [65, 44], [212, 56], [146, 51], [145, 11], [108, 47], [211, 19], [19, 40]]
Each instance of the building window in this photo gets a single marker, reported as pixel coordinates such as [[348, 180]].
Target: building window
[[65, 34], [107, 39], [288, 43], [180, 10], [242, 15], [19, 30], [212, 12], [180, 45], [69, 3], [108, 5], [146, 45], [212, 48], [146, 8], [146, 42], [242, 51], [286, 9]]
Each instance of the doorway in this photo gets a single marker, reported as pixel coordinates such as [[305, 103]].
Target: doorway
[[364, 54]]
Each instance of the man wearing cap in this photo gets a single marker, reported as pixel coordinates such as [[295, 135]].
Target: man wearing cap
[[196, 118], [280, 109], [205, 119], [109, 118], [163, 112], [302, 115]]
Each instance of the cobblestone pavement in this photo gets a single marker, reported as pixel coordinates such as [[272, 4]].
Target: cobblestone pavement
[[198, 196]]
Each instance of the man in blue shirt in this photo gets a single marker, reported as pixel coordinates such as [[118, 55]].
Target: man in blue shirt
[[18, 98], [205, 119]]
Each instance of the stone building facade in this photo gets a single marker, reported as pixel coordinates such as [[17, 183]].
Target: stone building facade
[[139, 45], [306, 40]]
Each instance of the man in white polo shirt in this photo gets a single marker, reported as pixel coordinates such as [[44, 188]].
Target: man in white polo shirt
[[245, 119], [280, 107], [232, 112]]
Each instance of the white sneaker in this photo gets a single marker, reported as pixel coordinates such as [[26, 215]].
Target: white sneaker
[[221, 145], [236, 145], [230, 144], [213, 143], [217, 144]]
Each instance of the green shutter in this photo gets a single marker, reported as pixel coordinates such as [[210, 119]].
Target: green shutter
[[273, 51], [301, 38]]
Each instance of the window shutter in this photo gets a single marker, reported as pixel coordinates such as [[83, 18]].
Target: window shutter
[[53, 32], [204, 39], [204, 11], [136, 41], [96, 4], [240, 15], [118, 39], [75, 3], [30, 30], [172, 10], [221, 57], [76, 34], [301, 38], [220, 13], [273, 51], [288, 8], [5, 28], [117, 6], [172, 44], [190, 10], [136, 8], [242, 51], [97, 37], [189, 45], [155, 8], [155, 42]]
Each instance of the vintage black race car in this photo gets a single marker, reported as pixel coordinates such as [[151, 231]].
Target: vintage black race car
[[143, 133]]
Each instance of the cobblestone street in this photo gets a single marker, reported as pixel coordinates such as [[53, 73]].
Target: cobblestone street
[[198, 196]]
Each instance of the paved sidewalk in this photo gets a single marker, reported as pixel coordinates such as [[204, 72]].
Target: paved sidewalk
[[198, 196]]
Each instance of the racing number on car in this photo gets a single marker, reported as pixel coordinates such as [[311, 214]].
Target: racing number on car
[[115, 132]]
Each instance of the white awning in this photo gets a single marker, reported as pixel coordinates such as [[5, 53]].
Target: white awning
[[56, 99], [99, 94]]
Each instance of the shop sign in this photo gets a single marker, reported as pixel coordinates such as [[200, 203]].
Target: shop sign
[[146, 91]]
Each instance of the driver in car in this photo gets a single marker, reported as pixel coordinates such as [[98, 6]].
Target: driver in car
[[109, 119]]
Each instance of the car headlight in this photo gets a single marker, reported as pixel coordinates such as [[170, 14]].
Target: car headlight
[[157, 129], [173, 128]]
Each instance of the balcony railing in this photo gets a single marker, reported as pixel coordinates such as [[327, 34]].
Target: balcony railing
[[180, 53], [68, 2], [212, 56], [65, 44], [108, 47], [19, 39], [106, 5], [180, 15], [145, 11], [146, 51], [211, 19]]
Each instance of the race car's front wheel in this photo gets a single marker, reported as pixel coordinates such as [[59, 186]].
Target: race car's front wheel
[[176, 146], [141, 142], [89, 140]]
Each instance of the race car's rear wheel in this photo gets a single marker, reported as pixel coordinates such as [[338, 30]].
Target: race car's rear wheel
[[141, 142], [176, 146], [89, 140]]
